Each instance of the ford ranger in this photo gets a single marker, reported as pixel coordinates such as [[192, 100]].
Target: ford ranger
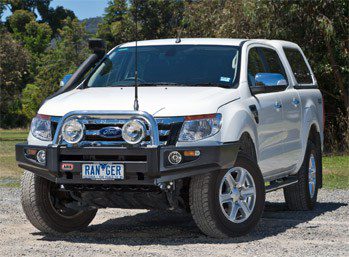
[[207, 126]]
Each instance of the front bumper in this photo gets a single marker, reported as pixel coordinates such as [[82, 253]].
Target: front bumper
[[142, 165]]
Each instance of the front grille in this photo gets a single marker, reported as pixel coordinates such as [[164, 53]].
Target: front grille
[[169, 129]]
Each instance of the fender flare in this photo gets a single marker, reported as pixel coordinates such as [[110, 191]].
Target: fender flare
[[241, 122]]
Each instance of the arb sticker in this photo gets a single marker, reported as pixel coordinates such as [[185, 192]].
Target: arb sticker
[[67, 166]]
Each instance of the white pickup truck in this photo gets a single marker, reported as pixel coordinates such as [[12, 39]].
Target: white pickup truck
[[206, 126]]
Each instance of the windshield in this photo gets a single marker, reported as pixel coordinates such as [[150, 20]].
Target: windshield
[[184, 65]]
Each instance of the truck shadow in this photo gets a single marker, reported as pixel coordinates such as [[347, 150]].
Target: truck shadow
[[168, 228]]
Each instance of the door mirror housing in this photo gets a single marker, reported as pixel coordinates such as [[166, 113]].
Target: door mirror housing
[[65, 80], [270, 79], [268, 82]]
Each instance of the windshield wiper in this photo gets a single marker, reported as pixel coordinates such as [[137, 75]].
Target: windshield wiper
[[154, 84], [209, 85]]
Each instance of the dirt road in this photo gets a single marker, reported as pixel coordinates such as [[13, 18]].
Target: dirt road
[[116, 232]]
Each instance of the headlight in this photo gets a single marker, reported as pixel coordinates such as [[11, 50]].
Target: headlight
[[133, 131], [41, 127], [72, 131], [200, 126]]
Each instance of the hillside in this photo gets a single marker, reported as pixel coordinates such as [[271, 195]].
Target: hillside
[[92, 24]]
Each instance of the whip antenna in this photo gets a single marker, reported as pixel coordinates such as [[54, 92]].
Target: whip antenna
[[135, 104]]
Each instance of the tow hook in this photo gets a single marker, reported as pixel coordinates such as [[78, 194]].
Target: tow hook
[[171, 194], [168, 186]]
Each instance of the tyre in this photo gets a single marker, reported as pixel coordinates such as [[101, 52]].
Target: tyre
[[228, 203], [45, 208], [302, 196]]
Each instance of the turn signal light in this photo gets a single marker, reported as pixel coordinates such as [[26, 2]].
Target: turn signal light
[[31, 151], [191, 153]]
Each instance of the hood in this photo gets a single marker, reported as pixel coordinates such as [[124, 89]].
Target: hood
[[158, 101]]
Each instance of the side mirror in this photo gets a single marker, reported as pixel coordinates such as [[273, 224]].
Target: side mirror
[[268, 82], [270, 79], [65, 80]]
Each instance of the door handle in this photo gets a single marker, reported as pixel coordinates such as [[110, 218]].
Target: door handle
[[277, 105], [295, 102]]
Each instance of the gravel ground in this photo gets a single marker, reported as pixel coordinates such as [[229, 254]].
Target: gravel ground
[[322, 232]]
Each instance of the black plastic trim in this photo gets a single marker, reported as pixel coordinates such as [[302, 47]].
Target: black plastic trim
[[153, 169], [305, 87]]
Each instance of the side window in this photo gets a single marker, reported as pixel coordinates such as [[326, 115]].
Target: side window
[[298, 66], [273, 61], [255, 65]]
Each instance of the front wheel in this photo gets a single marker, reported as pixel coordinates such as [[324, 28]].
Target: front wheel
[[228, 203], [46, 207]]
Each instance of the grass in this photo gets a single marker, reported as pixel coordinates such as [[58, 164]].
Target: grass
[[336, 168], [13, 135], [9, 171], [336, 171]]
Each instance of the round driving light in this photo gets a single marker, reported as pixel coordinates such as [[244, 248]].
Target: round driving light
[[133, 131], [72, 131], [41, 156], [174, 157]]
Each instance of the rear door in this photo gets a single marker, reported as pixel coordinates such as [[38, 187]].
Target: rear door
[[297, 101], [292, 124]]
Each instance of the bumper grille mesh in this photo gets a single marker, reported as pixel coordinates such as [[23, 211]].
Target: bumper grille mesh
[[169, 129]]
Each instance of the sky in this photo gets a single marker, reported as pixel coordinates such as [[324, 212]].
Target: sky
[[82, 8]]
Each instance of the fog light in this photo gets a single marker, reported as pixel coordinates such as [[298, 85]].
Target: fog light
[[133, 131], [174, 157], [41, 156], [72, 131]]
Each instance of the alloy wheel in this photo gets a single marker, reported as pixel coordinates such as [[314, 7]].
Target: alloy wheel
[[237, 194]]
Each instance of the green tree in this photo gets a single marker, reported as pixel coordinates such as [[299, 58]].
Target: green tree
[[116, 27], [35, 36], [156, 19], [14, 5], [31, 98], [18, 20], [14, 74], [55, 16], [69, 51]]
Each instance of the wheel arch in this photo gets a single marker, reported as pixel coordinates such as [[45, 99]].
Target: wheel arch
[[315, 138], [314, 133], [241, 127], [247, 145]]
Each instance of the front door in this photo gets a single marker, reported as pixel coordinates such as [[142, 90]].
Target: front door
[[270, 132], [270, 129]]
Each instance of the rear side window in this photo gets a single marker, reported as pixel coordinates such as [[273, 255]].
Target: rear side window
[[298, 66]]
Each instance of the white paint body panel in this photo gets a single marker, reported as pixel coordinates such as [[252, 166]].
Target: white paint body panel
[[158, 101], [280, 138]]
